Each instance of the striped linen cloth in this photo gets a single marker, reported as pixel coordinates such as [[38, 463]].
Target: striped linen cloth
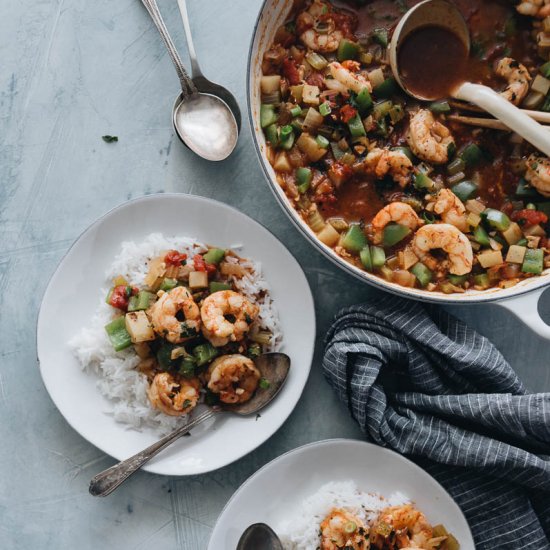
[[422, 383]]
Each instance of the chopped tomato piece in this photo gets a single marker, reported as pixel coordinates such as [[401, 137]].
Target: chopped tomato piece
[[531, 217], [173, 257], [347, 112], [201, 265], [350, 65], [119, 296], [291, 72]]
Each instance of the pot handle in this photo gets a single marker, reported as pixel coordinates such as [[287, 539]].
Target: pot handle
[[525, 307]]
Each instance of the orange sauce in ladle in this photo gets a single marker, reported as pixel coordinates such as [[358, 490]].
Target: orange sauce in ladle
[[432, 62]]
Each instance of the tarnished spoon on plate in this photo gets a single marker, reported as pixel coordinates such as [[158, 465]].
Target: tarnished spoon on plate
[[272, 366], [438, 27], [259, 536], [206, 116]]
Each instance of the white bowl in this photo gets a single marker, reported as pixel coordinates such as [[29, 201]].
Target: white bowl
[[274, 493], [72, 297]]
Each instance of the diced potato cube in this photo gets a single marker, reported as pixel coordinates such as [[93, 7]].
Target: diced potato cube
[[533, 241], [310, 94], [490, 258], [408, 258], [513, 234], [282, 164], [534, 231], [516, 254], [328, 235], [119, 280], [310, 147], [139, 328], [297, 92], [475, 206], [495, 245], [540, 85], [198, 279], [376, 77], [154, 276], [270, 84], [473, 219]]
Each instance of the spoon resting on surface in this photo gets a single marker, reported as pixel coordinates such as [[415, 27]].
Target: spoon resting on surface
[[272, 366], [259, 536], [438, 28]]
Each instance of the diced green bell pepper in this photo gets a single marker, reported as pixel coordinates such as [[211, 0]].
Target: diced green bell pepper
[[286, 137], [356, 127], [422, 181], [303, 179], [216, 286], [422, 273], [439, 107], [481, 236], [272, 135], [457, 280], [364, 101], [394, 233], [525, 191], [187, 366], [381, 37], [347, 50], [214, 256], [533, 261], [482, 280], [268, 116], [354, 240], [497, 219], [164, 356], [386, 89], [204, 353], [464, 190], [118, 335], [471, 155]]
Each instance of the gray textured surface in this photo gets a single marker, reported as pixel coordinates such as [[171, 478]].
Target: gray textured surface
[[72, 72]]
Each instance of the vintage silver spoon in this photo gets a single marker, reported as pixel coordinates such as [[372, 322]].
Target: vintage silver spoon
[[259, 536], [201, 82], [445, 15], [272, 366], [202, 119]]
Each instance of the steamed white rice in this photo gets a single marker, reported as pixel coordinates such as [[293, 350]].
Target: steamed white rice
[[301, 531], [117, 378]]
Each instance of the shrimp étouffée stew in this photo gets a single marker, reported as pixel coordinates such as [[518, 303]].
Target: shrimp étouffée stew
[[401, 188]]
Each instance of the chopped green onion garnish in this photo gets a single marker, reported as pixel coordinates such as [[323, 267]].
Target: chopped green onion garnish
[[324, 108], [322, 141], [296, 111], [264, 383]]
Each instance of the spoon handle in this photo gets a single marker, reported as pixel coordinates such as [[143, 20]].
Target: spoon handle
[[106, 482], [500, 108], [187, 85], [195, 69]]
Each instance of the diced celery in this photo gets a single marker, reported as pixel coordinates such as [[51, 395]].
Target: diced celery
[[422, 181], [324, 108], [286, 137], [354, 240], [533, 261], [456, 166], [322, 141], [141, 301], [216, 286], [440, 107], [118, 335], [422, 273], [214, 256], [168, 284], [381, 109], [378, 256], [356, 127], [268, 116], [272, 134], [457, 280], [303, 179], [482, 280], [366, 258], [394, 233], [317, 61], [296, 111]]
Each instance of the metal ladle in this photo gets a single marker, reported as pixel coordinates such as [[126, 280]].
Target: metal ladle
[[202, 119], [272, 366], [440, 13]]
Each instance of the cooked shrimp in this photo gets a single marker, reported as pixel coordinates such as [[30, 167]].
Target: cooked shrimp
[[340, 529], [173, 396], [449, 239], [317, 29], [450, 208], [234, 377], [518, 78], [429, 139], [397, 212], [175, 315], [401, 527], [343, 80], [538, 173], [534, 8], [383, 161], [227, 316]]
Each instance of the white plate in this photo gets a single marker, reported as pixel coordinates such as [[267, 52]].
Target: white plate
[[274, 493], [72, 297]]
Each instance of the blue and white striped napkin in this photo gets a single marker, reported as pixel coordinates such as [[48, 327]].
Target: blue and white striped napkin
[[422, 383]]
